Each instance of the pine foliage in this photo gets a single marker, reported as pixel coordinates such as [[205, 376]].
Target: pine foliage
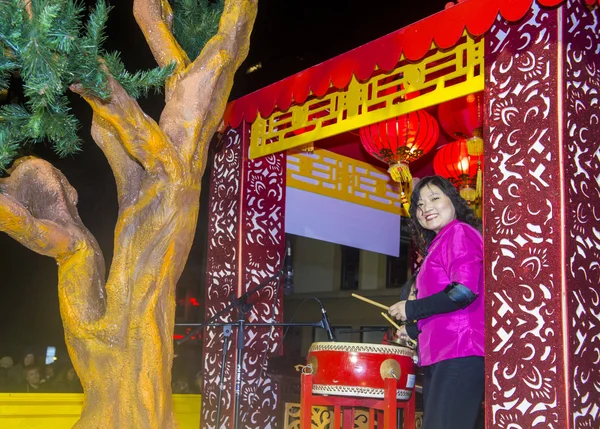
[[49, 51], [195, 22]]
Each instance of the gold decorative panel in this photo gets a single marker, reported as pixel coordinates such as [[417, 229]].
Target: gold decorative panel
[[336, 176], [322, 418], [441, 76]]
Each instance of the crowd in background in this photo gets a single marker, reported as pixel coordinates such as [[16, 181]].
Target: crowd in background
[[31, 374]]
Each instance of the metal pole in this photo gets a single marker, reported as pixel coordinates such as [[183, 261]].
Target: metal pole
[[238, 371], [226, 335]]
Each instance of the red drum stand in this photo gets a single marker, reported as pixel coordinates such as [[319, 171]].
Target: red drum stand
[[384, 411], [350, 375]]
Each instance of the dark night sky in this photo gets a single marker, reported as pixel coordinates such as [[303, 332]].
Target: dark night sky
[[289, 36]]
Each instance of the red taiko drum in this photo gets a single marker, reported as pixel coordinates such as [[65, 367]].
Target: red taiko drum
[[354, 369]]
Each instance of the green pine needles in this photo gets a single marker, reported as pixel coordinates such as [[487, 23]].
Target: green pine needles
[[195, 22], [50, 50]]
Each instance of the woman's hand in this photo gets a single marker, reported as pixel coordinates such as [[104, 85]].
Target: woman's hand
[[402, 334], [398, 311]]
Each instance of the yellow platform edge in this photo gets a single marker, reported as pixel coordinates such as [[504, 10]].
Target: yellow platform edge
[[62, 410]]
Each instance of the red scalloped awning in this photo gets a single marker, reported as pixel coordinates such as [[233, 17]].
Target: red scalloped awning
[[444, 28]]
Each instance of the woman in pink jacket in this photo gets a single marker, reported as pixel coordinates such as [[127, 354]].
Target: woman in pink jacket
[[449, 309]]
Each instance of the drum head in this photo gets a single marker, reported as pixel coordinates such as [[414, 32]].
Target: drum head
[[361, 348]]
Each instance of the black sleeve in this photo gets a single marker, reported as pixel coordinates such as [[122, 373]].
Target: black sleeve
[[412, 331], [426, 307], [455, 297]]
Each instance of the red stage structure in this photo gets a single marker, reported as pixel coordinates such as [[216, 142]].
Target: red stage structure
[[538, 63]]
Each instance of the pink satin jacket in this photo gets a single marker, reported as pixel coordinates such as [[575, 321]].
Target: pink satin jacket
[[455, 255]]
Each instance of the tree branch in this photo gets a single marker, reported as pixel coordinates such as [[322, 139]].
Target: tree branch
[[196, 107], [38, 209], [235, 28], [127, 172], [141, 137], [154, 17], [40, 235], [28, 8]]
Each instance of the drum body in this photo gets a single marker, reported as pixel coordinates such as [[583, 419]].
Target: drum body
[[355, 369]]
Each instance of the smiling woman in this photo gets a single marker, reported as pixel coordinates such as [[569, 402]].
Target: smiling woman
[[449, 305], [434, 208]]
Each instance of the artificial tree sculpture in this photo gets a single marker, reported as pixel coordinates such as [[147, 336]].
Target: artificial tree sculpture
[[118, 327]]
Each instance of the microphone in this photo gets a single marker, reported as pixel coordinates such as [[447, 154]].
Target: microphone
[[327, 324], [288, 270]]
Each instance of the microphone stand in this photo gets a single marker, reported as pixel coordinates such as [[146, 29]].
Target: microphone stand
[[243, 307]]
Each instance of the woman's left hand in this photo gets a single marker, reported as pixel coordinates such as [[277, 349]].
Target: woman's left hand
[[402, 334], [398, 311]]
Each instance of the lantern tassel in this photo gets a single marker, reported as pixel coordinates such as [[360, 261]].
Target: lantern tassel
[[400, 172], [405, 203], [468, 193], [475, 146], [479, 181]]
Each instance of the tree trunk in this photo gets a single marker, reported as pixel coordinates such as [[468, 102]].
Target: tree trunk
[[134, 365], [137, 385], [119, 330]]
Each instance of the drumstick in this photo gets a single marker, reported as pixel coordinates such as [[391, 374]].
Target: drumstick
[[389, 319], [369, 301], [395, 325]]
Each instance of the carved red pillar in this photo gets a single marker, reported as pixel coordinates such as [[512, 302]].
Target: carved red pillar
[[245, 246], [542, 220], [581, 142]]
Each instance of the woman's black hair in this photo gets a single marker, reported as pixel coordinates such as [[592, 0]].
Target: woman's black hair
[[422, 237]]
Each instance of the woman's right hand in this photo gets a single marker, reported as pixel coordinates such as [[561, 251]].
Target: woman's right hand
[[398, 311]]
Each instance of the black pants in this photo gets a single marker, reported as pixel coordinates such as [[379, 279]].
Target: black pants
[[452, 393]]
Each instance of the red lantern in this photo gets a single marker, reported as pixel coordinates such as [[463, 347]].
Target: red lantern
[[401, 140], [453, 162], [462, 118]]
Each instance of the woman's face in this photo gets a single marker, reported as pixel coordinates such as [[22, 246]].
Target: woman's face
[[28, 359], [434, 209]]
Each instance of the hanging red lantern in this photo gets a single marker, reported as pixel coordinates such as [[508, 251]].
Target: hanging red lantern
[[462, 118], [399, 141], [454, 162]]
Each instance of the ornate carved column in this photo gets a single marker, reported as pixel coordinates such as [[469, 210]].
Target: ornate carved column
[[246, 245], [541, 219]]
